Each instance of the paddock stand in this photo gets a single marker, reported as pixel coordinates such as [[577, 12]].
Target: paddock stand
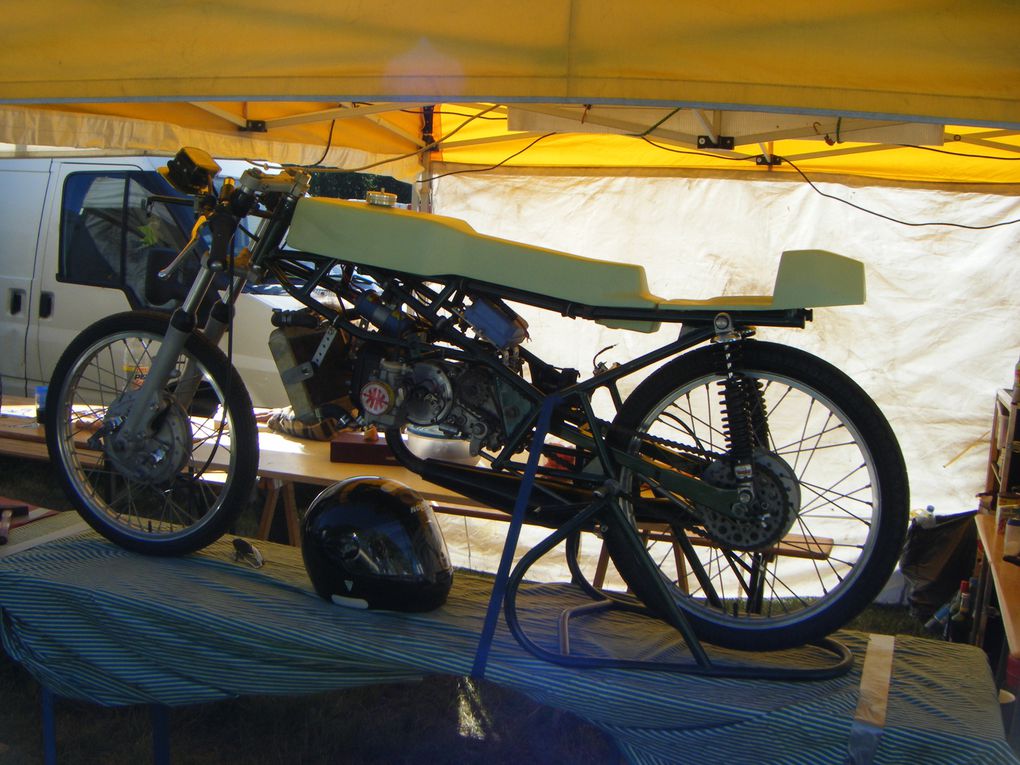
[[506, 585]]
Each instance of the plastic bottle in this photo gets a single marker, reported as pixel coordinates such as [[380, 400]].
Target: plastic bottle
[[1011, 540], [40, 402], [958, 630], [937, 622], [925, 519]]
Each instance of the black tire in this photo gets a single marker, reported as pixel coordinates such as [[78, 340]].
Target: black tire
[[185, 484], [841, 469]]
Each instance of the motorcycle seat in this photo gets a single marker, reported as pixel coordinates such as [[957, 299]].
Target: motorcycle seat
[[437, 246]]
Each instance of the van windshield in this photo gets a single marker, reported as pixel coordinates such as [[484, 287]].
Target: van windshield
[[114, 234]]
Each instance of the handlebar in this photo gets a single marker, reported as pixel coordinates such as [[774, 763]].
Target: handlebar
[[233, 204], [192, 243], [222, 224], [167, 200]]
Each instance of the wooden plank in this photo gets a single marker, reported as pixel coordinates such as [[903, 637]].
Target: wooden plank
[[287, 460], [1005, 576], [876, 676], [790, 546], [873, 701], [17, 447], [280, 457], [19, 429]]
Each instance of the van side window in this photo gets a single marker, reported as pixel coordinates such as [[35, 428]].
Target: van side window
[[110, 237]]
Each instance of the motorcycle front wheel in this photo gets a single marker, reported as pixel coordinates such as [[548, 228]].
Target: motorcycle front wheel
[[183, 482], [828, 521]]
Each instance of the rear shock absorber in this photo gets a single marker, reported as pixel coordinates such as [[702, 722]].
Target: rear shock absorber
[[738, 421]]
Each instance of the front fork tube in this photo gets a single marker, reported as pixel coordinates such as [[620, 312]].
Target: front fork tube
[[215, 327], [219, 318], [164, 364]]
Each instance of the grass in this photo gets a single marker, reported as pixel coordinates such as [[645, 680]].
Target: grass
[[439, 720]]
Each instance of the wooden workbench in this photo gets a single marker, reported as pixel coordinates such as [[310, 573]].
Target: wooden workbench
[[473, 540], [1004, 576], [20, 434], [280, 457], [1005, 579], [283, 461]]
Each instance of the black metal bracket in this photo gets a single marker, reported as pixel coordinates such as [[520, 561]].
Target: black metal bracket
[[255, 126], [770, 160], [507, 582], [723, 142], [839, 658]]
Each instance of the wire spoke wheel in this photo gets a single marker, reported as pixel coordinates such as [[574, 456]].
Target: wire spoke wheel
[[178, 485], [825, 528]]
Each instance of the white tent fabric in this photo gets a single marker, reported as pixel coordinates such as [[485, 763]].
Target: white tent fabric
[[934, 341]]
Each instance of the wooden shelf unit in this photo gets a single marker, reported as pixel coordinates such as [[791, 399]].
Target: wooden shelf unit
[[1003, 478]]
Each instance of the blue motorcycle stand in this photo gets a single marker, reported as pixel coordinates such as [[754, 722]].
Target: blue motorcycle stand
[[506, 585]]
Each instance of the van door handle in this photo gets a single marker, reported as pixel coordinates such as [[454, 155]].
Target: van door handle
[[17, 299], [45, 305]]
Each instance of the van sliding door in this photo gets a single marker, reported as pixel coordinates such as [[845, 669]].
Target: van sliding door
[[24, 190], [82, 274]]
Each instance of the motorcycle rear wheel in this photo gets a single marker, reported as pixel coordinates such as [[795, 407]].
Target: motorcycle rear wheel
[[185, 483], [831, 464]]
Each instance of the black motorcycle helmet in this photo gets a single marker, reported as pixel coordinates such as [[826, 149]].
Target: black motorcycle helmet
[[374, 543]]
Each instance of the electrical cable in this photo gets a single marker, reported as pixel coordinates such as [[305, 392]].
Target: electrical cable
[[490, 167], [658, 124], [497, 118], [416, 153], [963, 154], [708, 154], [833, 197], [913, 224], [329, 143], [644, 137]]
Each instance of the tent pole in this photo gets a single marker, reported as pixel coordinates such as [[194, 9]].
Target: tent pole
[[423, 197], [423, 189]]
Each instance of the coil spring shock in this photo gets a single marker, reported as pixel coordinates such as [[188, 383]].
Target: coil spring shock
[[754, 395], [737, 423]]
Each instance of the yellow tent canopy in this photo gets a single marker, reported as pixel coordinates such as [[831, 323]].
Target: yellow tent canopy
[[601, 139], [592, 84]]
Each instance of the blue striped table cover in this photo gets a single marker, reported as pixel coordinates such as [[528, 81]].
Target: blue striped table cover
[[94, 622]]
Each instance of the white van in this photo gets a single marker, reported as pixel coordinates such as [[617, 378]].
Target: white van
[[79, 241]]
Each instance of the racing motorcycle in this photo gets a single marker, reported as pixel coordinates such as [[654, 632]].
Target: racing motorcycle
[[752, 486]]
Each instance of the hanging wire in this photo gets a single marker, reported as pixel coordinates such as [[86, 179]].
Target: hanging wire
[[692, 152], [329, 143], [436, 144], [658, 124], [963, 154], [835, 198], [891, 218], [493, 118], [416, 153], [490, 167]]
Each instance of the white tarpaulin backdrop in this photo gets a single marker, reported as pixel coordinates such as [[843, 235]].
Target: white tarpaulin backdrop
[[938, 334]]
